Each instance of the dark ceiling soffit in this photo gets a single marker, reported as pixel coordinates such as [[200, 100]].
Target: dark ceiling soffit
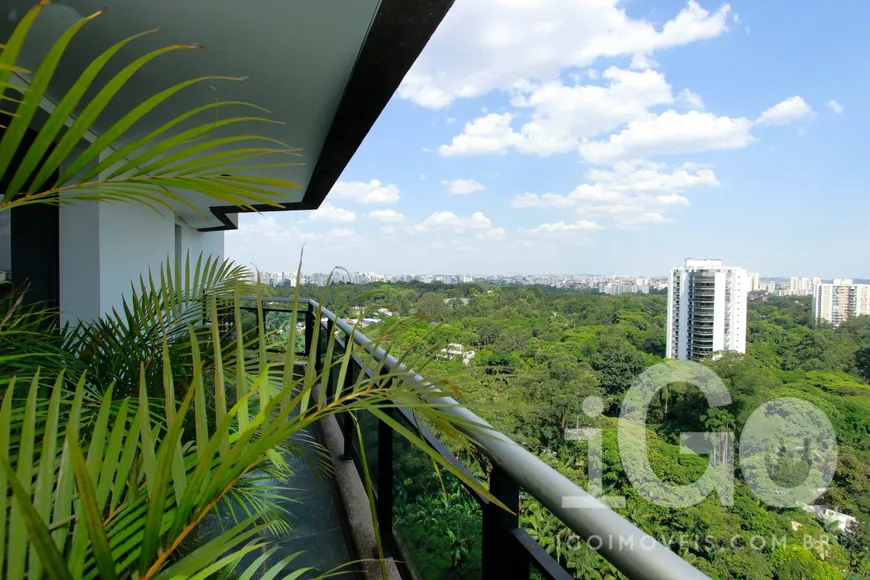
[[397, 36]]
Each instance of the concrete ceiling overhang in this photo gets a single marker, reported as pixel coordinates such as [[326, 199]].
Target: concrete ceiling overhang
[[325, 68]]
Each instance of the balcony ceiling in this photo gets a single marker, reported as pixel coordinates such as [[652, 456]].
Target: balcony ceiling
[[326, 68]]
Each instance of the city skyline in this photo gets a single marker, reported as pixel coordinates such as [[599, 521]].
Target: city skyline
[[623, 156], [606, 284], [660, 276]]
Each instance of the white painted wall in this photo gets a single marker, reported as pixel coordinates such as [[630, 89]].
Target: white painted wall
[[736, 339], [79, 240], [133, 240], [104, 249], [200, 243]]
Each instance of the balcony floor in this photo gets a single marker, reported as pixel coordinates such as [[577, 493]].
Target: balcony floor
[[316, 517]]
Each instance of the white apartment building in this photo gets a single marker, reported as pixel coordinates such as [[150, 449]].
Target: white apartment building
[[842, 299], [754, 282], [706, 309], [801, 286]]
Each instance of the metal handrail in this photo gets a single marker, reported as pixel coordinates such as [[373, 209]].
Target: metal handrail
[[631, 550]]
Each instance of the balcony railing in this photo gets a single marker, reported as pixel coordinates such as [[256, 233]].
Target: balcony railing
[[507, 551]]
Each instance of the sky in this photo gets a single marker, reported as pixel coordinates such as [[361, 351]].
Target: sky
[[607, 137]]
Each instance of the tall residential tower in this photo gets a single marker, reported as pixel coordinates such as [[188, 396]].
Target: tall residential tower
[[834, 303], [706, 309]]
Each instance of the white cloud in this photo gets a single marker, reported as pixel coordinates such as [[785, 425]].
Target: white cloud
[[563, 114], [451, 225], [369, 193], [691, 99], [489, 134], [670, 199], [386, 215], [329, 213], [635, 213], [633, 220], [342, 233], [669, 133], [785, 112], [486, 45], [560, 228], [630, 194], [463, 186], [495, 234], [545, 201], [652, 177], [642, 61], [581, 193], [447, 220], [635, 182], [267, 228], [835, 106]]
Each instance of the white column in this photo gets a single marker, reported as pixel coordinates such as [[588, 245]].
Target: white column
[[134, 240], [104, 248], [79, 239], [200, 243]]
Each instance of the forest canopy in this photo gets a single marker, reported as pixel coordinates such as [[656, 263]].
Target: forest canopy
[[539, 352]]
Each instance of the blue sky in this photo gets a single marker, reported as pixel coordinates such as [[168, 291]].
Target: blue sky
[[597, 136]]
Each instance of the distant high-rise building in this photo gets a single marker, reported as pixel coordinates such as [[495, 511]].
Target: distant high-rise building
[[706, 309], [801, 286], [840, 300], [754, 282]]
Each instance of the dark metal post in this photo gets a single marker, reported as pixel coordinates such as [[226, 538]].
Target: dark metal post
[[385, 484], [320, 349], [348, 426], [501, 557], [330, 335], [309, 330]]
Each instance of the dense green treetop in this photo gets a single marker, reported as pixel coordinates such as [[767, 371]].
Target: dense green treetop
[[539, 352]]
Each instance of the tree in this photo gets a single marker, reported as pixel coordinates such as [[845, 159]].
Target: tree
[[431, 304], [862, 361], [825, 350], [617, 365]]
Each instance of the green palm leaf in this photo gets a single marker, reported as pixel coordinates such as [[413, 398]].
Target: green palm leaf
[[158, 169]]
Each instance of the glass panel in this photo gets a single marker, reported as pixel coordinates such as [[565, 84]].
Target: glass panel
[[368, 425], [322, 339], [5, 246], [440, 537], [561, 543]]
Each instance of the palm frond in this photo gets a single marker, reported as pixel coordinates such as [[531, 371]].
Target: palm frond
[[159, 314], [159, 169], [128, 468], [29, 340]]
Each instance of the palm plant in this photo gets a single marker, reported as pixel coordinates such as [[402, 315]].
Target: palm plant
[[161, 309], [118, 438], [125, 505], [159, 169]]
